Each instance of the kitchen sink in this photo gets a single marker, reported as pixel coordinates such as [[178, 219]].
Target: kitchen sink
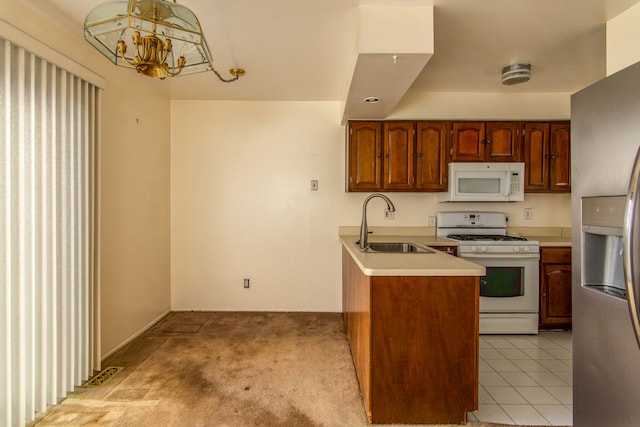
[[405, 248]]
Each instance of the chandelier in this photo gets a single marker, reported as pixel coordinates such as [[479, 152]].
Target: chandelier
[[158, 38]]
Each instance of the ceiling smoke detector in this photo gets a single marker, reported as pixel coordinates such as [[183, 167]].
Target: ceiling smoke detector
[[516, 73]]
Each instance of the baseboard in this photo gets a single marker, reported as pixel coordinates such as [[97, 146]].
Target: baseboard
[[135, 335]]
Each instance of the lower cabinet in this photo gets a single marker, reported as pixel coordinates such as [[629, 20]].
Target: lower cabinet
[[414, 343], [555, 288], [451, 250]]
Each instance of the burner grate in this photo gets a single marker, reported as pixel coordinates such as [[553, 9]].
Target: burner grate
[[480, 237]]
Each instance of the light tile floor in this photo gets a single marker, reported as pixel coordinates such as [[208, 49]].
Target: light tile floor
[[525, 379]]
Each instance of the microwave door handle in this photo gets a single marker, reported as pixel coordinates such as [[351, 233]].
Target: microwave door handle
[[628, 245], [507, 188]]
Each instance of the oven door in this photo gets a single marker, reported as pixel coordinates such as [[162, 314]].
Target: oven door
[[511, 282]]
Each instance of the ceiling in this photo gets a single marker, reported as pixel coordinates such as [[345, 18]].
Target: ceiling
[[302, 49]]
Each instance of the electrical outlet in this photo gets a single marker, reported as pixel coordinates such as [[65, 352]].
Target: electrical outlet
[[246, 283], [432, 221], [389, 214], [527, 213]]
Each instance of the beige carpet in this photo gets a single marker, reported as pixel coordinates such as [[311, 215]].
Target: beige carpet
[[226, 369]]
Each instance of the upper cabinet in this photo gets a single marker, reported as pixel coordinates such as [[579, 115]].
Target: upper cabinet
[[486, 142], [547, 157], [560, 157], [413, 155], [431, 153], [396, 156], [364, 156], [398, 153]]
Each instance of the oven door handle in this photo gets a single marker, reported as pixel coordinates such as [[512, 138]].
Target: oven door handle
[[499, 256]]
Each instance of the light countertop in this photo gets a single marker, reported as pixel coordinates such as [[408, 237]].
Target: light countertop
[[431, 264], [551, 241], [546, 236], [410, 264]]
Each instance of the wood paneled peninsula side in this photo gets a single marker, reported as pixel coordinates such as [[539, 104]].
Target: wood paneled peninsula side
[[412, 324]]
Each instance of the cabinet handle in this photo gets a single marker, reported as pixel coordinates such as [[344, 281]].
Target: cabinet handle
[[419, 155], [485, 141]]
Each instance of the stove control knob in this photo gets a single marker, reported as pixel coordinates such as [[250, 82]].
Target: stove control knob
[[525, 248], [473, 248], [483, 249], [516, 249]]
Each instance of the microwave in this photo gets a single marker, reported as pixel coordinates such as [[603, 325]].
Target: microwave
[[485, 182]]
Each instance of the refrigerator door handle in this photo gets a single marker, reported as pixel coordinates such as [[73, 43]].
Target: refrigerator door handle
[[628, 244]]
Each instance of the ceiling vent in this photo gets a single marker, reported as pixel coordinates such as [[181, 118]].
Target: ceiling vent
[[516, 73]]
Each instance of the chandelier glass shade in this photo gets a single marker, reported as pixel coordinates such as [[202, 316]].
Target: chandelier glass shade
[[159, 38]]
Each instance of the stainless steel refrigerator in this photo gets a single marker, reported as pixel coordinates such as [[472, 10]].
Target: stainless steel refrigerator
[[605, 137]]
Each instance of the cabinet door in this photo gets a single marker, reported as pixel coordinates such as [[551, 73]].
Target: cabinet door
[[560, 158], [536, 156], [468, 142], [364, 156], [503, 141], [555, 296], [431, 151], [555, 287], [399, 147]]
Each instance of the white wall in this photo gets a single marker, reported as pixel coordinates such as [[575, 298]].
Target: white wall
[[135, 215], [623, 38], [484, 106], [241, 205]]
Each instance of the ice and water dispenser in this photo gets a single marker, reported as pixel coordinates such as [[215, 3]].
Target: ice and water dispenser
[[602, 225]]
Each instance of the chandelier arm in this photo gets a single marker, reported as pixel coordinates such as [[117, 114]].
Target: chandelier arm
[[122, 49], [223, 79]]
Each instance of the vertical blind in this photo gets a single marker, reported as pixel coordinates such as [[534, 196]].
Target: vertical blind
[[48, 133]]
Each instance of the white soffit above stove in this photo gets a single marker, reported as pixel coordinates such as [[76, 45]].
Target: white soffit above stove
[[393, 46]]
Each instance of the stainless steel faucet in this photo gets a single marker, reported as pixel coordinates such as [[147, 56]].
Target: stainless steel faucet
[[363, 243]]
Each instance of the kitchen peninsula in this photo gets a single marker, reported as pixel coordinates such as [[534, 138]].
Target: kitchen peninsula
[[412, 322]]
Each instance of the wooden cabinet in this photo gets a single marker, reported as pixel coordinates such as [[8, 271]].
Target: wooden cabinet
[[396, 156], [486, 142], [413, 155], [398, 151], [431, 156], [555, 288], [451, 250], [414, 342], [547, 157], [560, 157], [364, 156]]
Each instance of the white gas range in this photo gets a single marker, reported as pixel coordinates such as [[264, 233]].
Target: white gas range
[[509, 302]]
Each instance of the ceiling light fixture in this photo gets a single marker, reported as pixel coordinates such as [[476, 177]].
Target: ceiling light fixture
[[516, 73], [158, 38], [371, 100]]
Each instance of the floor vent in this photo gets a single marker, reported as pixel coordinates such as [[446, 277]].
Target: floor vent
[[103, 376]]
